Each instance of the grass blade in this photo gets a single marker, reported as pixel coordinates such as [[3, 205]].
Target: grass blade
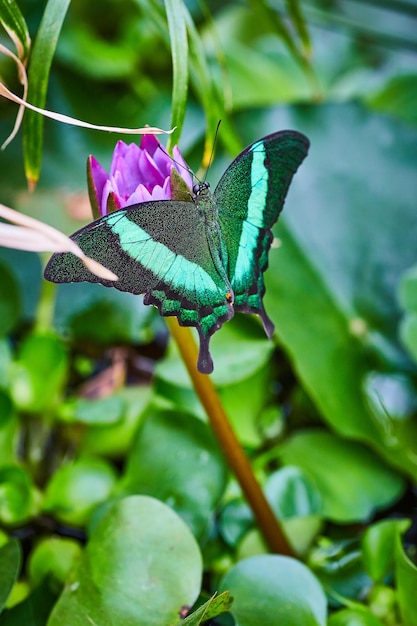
[[179, 51], [40, 64]]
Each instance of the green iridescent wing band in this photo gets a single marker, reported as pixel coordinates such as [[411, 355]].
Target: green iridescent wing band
[[250, 197], [159, 249]]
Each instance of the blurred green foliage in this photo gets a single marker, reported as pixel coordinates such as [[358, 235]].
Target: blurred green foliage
[[109, 474]]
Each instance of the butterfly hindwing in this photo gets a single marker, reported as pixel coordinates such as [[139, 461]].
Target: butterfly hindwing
[[159, 249], [249, 198]]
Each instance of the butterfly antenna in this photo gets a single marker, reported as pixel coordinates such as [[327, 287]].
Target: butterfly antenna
[[184, 167], [213, 147]]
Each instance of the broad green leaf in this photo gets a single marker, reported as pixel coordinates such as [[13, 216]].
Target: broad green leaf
[[362, 483], [40, 372], [179, 51], [76, 488], [274, 589], [175, 458], [406, 578], [378, 547], [141, 566], [354, 617], [10, 303], [33, 611], [331, 285], [38, 75], [217, 605], [14, 22], [10, 561]]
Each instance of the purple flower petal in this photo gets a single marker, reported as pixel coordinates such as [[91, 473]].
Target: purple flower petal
[[96, 180], [137, 174], [149, 174], [182, 167]]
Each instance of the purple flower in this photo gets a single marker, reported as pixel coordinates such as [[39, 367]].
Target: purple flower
[[137, 174]]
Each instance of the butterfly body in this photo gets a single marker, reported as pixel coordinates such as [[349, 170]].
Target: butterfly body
[[200, 260]]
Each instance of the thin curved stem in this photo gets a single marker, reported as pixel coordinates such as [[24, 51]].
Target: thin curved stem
[[238, 462]]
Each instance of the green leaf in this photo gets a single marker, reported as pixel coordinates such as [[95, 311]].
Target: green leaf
[[406, 577], [96, 411], [40, 372], [179, 51], [354, 617], [76, 488], [397, 97], [53, 556], [40, 64], [378, 558], [10, 563], [18, 499], [362, 483], [13, 21], [141, 566], [274, 589], [115, 440], [176, 459], [10, 303], [212, 608], [340, 263], [33, 611]]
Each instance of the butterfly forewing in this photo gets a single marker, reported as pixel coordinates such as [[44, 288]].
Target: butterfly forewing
[[159, 249], [250, 197]]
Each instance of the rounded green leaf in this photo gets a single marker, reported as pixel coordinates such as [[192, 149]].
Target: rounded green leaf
[[361, 484], [53, 556], [354, 617], [76, 488], [141, 566], [378, 547], [275, 590], [176, 459]]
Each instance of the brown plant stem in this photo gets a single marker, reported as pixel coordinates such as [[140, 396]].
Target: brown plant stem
[[238, 462]]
